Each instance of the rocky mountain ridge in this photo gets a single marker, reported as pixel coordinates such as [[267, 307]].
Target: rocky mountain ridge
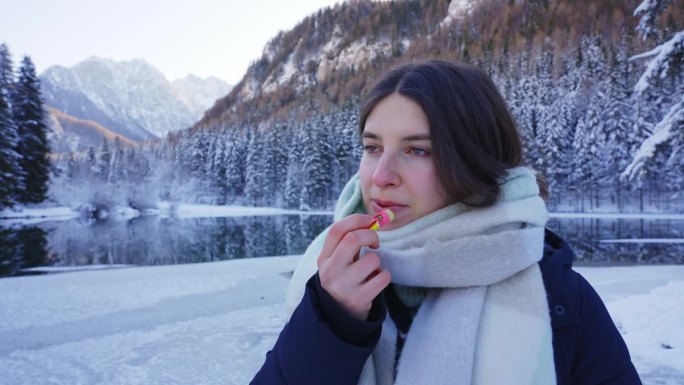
[[131, 98]]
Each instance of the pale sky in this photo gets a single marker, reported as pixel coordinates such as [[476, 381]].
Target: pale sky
[[203, 37]]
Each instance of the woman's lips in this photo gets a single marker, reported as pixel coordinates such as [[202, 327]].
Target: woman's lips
[[378, 206]]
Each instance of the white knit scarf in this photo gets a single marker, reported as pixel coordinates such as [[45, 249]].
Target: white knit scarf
[[485, 319]]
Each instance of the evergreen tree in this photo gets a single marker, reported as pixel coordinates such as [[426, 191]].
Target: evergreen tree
[[103, 165], [237, 141], [254, 170], [557, 146], [199, 154], [90, 164], [659, 108], [545, 96], [268, 165], [585, 148], [527, 116], [33, 146], [294, 177], [11, 177], [118, 168], [281, 147], [72, 172], [219, 171], [616, 116], [317, 163]]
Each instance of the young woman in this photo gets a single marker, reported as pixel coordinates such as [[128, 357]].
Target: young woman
[[477, 291]]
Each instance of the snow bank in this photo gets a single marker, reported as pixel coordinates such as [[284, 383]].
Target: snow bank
[[205, 323], [213, 323], [647, 305]]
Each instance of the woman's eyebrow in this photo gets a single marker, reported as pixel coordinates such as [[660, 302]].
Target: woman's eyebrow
[[409, 138]]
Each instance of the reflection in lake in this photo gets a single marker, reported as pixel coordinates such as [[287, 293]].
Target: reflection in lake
[[154, 240], [585, 236]]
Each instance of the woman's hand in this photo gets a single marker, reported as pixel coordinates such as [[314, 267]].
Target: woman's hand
[[352, 281]]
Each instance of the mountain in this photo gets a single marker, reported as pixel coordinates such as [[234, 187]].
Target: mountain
[[131, 98], [325, 58], [200, 94], [70, 134]]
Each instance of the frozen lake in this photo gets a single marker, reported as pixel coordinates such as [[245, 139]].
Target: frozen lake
[[205, 234]]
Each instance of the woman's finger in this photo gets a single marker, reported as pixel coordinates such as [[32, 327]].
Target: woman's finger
[[375, 285], [339, 229], [348, 248], [362, 270]]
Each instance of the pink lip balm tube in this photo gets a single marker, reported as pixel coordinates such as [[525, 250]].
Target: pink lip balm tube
[[381, 219]]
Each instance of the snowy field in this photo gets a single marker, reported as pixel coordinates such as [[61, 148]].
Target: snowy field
[[212, 323]]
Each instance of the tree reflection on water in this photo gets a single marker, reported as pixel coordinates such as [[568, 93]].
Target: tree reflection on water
[[154, 240]]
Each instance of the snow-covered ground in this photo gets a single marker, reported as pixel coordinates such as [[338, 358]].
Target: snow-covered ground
[[213, 323]]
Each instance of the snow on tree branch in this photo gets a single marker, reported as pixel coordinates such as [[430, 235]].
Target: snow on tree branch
[[644, 7], [649, 10], [662, 133], [665, 55]]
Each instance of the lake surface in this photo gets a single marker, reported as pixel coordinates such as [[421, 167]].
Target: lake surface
[[155, 240]]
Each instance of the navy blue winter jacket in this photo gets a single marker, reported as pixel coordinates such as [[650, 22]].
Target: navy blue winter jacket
[[322, 344]]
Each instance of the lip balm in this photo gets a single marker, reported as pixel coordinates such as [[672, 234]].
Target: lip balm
[[381, 219]]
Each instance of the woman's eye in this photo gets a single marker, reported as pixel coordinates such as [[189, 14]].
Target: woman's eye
[[369, 148], [419, 151]]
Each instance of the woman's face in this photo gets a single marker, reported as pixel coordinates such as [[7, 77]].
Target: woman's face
[[397, 169]]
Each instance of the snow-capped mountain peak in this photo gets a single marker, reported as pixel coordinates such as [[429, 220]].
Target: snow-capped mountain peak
[[130, 97]]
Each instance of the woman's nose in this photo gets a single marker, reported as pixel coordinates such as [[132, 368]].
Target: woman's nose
[[385, 173]]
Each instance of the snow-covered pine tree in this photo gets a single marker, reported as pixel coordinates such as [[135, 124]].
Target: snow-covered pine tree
[[103, 164], [648, 12], [281, 139], [33, 146], [270, 192], [527, 117], [199, 155], [617, 116], [659, 94], [561, 123], [90, 162], [72, 168], [317, 163], [590, 98], [295, 172], [237, 141], [207, 186], [585, 148], [545, 96], [348, 145], [140, 174], [255, 177], [11, 176], [118, 168], [218, 172], [525, 110]]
